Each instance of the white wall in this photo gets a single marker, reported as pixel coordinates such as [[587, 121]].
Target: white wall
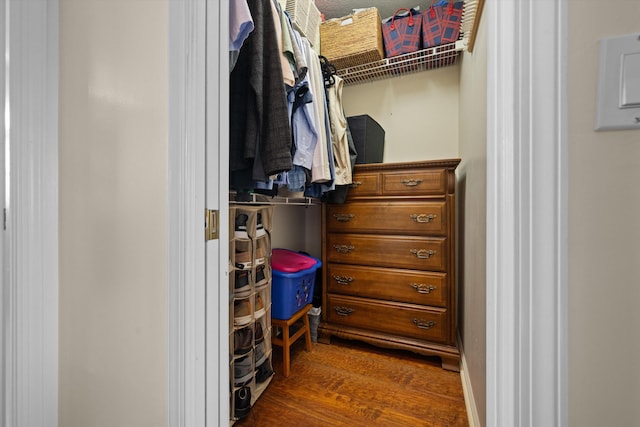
[[604, 233], [419, 113], [113, 175], [472, 217]]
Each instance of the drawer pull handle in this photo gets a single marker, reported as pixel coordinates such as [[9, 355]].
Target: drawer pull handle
[[343, 249], [343, 217], [356, 184], [411, 182], [343, 280], [422, 288], [423, 253], [343, 311], [424, 324], [423, 218]]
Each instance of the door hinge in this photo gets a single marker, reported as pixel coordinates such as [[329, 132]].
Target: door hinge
[[211, 224]]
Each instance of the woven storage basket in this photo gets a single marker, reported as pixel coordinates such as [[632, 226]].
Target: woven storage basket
[[305, 18], [352, 40]]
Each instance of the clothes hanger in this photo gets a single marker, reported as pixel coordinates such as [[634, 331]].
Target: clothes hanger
[[328, 71]]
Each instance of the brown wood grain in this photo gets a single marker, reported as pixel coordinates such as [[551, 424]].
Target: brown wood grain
[[388, 251], [377, 245], [405, 218], [412, 286], [349, 383]]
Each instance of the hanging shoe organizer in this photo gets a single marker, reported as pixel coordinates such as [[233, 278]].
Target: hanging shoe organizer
[[250, 278]]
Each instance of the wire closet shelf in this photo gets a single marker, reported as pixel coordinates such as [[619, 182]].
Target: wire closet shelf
[[425, 59], [422, 60], [263, 199]]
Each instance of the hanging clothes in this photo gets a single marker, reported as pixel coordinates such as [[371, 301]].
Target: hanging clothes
[[259, 130], [303, 117], [340, 128], [287, 71], [240, 26], [338, 122], [292, 48], [321, 169]]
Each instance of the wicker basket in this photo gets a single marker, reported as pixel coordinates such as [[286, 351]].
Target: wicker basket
[[305, 18], [352, 40]]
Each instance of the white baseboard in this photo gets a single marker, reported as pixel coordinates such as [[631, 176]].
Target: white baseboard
[[469, 401]]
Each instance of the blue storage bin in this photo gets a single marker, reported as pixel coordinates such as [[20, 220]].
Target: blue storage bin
[[292, 291]]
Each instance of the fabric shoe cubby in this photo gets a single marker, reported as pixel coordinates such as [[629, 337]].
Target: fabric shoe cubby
[[250, 275]]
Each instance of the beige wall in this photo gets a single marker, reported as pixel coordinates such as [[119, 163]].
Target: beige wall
[[604, 233], [113, 174], [472, 217], [419, 113], [298, 228]]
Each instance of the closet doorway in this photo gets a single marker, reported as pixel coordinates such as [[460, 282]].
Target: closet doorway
[[501, 35]]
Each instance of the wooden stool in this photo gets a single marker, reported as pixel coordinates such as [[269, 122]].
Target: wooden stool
[[286, 341]]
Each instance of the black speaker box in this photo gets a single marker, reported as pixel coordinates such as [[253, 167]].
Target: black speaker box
[[368, 137]]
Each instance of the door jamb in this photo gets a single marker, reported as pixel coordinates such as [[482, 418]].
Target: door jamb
[[527, 213], [29, 297], [186, 370]]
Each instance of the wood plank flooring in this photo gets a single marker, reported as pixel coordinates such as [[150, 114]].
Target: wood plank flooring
[[349, 383]]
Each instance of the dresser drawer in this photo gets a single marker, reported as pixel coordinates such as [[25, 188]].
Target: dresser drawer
[[391, 284], [393, 318], [420, 253], [414, 182], [421, 218], [365, 184]]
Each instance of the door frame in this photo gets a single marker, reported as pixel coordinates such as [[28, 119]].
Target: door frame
[[527, 232], [198, 309], [186, 343], [29, 181]]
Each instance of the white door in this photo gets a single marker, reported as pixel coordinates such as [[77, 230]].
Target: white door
[[217, 199]]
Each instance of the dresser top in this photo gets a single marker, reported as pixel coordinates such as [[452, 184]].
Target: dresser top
[[423, 164]]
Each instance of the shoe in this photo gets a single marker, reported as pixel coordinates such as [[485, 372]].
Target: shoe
[[244, 261], [242, 371], [259, 333], [242, 288], [259, 306], [259, 226], [260, 255], [264, 371], [261, 354], [242, 341], [261, 278], [241, 312], [243, 402], [240, 229]]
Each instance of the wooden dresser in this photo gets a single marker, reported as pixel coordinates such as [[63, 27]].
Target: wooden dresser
[[389, 259]]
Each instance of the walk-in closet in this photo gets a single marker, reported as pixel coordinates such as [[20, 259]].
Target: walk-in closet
[[410, 201]]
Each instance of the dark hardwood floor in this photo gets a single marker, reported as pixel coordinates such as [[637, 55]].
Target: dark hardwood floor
[[349, 383]]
